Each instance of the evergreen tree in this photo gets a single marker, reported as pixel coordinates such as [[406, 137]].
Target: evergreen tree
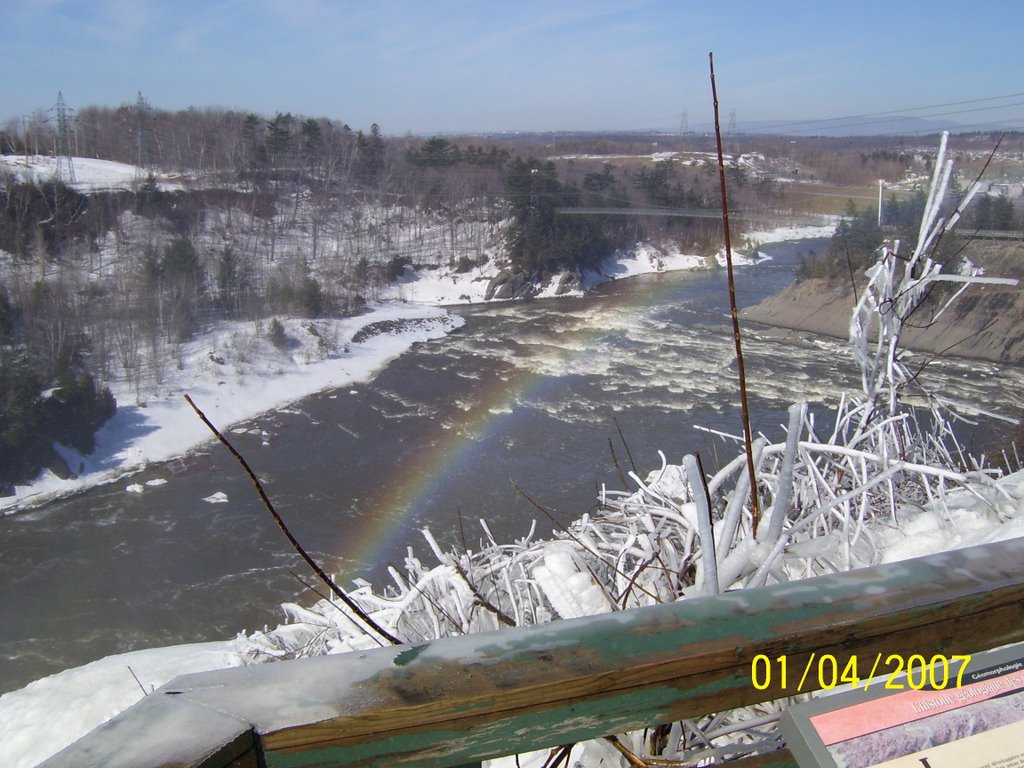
[[21, 418], [179, 277], [233, 281], [6, 317], [276, 334], [369, 157], [983, 212], [279, 139], [435, 152], [77, 409], [254, 153], [540, 238], [1003, 216], [853, 246], [855, 240]]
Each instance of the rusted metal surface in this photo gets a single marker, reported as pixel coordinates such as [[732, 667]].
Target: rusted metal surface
[[456, 700]]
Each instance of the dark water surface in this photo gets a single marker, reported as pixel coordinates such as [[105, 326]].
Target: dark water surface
[[527, 394]]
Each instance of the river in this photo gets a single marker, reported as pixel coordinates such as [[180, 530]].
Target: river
[[523, 400]]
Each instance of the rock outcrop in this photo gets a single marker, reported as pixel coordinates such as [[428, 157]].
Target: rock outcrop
[[986, 323], [510, 285]]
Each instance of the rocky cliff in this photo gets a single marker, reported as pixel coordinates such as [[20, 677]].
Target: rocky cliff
[[986, 322]]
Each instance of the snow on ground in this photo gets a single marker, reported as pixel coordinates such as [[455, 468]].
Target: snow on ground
[[785, 234], [234, 373], [683, 158], [440, 286], [444, 287], [91, 175]]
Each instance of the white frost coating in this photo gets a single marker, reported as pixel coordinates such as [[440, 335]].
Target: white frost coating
[[572, 593], [775, 517], [705, 531]]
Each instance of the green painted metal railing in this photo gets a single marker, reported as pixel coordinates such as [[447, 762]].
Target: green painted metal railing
[[456, 700]]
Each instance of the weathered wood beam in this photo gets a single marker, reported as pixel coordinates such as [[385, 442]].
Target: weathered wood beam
[[455, 700]]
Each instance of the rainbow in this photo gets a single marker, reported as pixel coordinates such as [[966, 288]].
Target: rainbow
[[371, 535], [423, 477]]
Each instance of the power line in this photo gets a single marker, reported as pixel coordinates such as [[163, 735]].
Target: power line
[[866, 118], [834, 123], [903, 111]]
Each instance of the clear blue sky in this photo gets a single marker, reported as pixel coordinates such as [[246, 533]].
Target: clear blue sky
[[478, 65]]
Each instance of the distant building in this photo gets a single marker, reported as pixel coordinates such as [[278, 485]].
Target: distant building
[[1011, 189]]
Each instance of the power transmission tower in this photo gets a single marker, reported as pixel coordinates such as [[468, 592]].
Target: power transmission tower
[[141, 136], [65, 166], [731, 139], [683, 125]]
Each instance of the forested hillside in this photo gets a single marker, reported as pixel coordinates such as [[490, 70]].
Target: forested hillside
[[232, 216]]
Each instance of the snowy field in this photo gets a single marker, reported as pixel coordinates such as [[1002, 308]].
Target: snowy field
[[90, 175]]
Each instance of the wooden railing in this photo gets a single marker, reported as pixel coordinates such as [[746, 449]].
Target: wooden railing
[[456, 700]]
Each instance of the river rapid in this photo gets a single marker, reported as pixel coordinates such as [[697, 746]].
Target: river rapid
[[524, 400]]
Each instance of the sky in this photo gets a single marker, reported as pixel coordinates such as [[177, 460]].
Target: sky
[[469, 66]]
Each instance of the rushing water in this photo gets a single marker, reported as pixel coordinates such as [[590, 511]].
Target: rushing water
[[524, 396]]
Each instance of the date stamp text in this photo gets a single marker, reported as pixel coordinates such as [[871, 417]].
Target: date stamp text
[[892, 671]]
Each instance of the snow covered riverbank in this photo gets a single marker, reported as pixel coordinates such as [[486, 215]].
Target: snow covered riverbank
[[445, 287], [233, 372]]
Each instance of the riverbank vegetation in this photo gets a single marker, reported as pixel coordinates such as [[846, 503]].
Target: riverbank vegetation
[[227, 216]]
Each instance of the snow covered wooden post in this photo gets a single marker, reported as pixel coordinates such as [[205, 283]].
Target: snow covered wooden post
[[459, 699]]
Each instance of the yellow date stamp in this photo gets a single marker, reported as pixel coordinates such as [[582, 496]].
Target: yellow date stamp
[[893, 671]]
